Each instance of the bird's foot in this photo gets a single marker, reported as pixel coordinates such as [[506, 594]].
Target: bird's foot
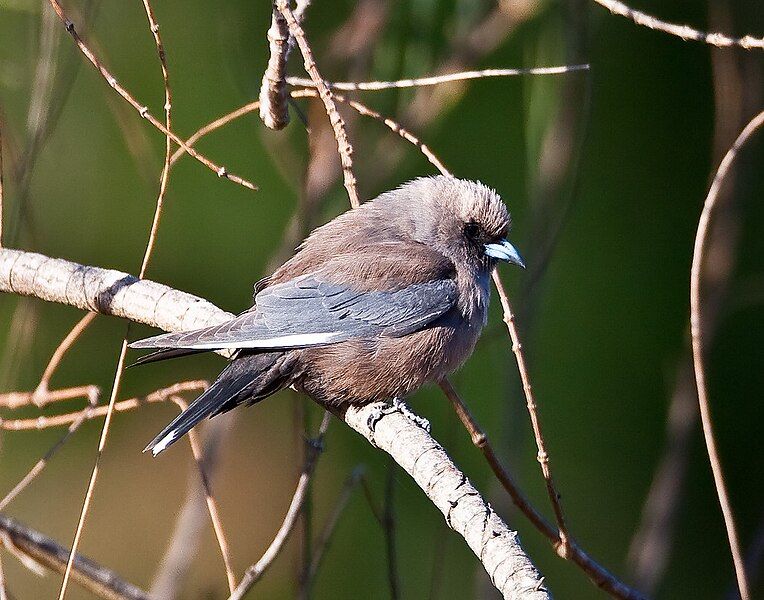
[[396, 406], [404, 409]]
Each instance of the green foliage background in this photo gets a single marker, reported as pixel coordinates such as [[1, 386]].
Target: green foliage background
[[605, 326]]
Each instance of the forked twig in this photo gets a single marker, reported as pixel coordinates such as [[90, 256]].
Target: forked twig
[[255, 571], [344, 148], [598, 574], [43, 462], [142, 110], [696, 331], [436, 79], [683, 31]]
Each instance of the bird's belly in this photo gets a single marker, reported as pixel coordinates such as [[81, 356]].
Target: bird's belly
[[363, 371]]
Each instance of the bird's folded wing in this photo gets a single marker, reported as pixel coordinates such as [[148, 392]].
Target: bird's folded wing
[[311, 311]]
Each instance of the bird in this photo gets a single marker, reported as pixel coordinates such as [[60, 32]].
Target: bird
[[375, 303]]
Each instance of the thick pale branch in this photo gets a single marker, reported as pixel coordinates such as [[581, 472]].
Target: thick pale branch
[[118, 294]]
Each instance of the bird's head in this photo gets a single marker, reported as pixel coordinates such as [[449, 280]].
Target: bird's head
[[464, 220]]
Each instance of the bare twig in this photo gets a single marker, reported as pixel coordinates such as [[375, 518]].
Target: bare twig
[[42, 463], [598, 574], [118, 294], [154, 26], [324, 540], [343, 144], [543, 455], [46, 422], [388, 525], [212, 506], [1, 186], [142, 110], [41, 391], [696, 330], [96, 466], [683, 31], [255, 571], [30, 545], [435, 80], [3, 590], [19, 399]]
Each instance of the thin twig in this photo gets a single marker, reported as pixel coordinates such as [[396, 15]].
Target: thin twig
[[598, 574], [1, 188], [43, 462], [212, 506], [41, 391], [46, 422], [324, 540], [338, 124], [96, 465], [696, 330], [388, 525], [543, 455], [3, 590], [33, 547], [142, 110], [255, 571], [435, 80], [683, 31], [154, 26], [20, 399]]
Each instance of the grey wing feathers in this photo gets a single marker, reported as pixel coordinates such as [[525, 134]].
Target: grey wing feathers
[[309, 311]]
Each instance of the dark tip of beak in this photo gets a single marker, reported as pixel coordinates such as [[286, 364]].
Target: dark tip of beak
[[504, 251]]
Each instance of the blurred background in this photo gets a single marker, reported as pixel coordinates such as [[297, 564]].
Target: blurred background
[[605, 174]]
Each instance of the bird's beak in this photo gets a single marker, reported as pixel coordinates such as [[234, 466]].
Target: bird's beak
[[506, 252]]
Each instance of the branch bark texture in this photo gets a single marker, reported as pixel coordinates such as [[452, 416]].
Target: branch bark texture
[[119, 294]]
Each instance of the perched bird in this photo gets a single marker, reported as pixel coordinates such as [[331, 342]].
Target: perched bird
[[373, 304]]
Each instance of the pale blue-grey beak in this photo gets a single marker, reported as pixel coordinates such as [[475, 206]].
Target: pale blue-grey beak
[[506, 252]]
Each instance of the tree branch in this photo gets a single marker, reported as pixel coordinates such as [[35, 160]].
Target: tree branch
[[119, 294]]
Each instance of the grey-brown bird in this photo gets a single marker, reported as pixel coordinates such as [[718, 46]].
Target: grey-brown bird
[[372, 305]]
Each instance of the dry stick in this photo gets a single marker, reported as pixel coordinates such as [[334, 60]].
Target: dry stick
[[255, 571], [42, 463], [46, 422], [543, 455], [3, 591], [435, 80], [20, 399], [683, 31], [94, 473], [144, 262], [351, 483], [338, 124], [41, 391], [598, 574], [163, 178], [35, 548], [143, 111], [212, 507], [1, 187], [696, 330]]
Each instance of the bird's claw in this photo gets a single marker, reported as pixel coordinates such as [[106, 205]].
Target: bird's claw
[[396, 406]]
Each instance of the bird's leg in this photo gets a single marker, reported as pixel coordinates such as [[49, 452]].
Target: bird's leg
[[399, 406]]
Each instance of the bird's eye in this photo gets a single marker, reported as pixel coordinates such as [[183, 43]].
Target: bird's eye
[[472, 230]]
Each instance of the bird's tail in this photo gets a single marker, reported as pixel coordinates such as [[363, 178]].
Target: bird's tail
[[246, 379]]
